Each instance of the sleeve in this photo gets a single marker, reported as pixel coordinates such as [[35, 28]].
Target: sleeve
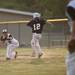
[[9, 37], [43, 21], [30, 23]]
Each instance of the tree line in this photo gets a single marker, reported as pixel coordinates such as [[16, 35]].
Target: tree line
[[48, 8]]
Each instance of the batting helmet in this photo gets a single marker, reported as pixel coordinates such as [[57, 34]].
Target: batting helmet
[[36, 15]]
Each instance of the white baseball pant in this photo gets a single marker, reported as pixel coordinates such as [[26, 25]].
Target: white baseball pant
[[10, 49], [35, 44]]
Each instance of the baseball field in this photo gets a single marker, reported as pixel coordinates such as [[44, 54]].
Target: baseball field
[[51, 63]]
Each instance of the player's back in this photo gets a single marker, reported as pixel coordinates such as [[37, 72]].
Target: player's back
[[37, 25]]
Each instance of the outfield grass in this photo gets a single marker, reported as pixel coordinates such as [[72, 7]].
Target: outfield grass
[[52, 63]]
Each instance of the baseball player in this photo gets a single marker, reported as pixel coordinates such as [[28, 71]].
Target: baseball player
[[11, 43], [70, 9], [36, 24], [70, 60]]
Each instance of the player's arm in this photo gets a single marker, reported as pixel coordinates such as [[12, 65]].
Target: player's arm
[[2, 40], [9, 38], [50, 23], [46, 22], [71, 46], [30, 23]]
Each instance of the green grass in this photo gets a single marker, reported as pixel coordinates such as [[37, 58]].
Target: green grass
[[52, 63]]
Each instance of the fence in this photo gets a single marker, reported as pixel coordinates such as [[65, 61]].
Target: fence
[[55, 33]]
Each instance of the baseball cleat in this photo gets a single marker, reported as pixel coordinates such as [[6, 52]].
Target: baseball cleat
[[8, 59], [40, 55], [15, 55]]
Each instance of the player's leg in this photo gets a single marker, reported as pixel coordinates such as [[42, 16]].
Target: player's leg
[[39, 51], [33, 47], [38, 48], [8, 53], [33, 41], [14, 53], [14, 46]]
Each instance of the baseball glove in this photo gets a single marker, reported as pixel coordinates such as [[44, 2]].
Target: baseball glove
[[3, 38]]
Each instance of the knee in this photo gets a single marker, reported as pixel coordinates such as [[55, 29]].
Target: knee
[[32, 43]]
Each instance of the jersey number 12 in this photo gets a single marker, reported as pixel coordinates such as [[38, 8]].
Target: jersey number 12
[[36, 26]]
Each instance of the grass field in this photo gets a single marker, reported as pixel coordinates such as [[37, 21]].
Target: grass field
[[52, 63]]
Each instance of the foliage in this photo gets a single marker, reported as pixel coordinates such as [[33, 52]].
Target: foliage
[[49, 8]]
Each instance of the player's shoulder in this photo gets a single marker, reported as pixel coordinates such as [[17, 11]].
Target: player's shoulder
[[32, 21], [38, 19], [42, 19], [9, 34]]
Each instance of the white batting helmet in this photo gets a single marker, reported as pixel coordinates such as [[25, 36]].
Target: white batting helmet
[[4, 30], [36, 15]]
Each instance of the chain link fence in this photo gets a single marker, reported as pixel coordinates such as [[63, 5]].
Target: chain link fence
[[55, 34]]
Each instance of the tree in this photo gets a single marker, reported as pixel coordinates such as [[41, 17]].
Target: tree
[[48, 8]]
